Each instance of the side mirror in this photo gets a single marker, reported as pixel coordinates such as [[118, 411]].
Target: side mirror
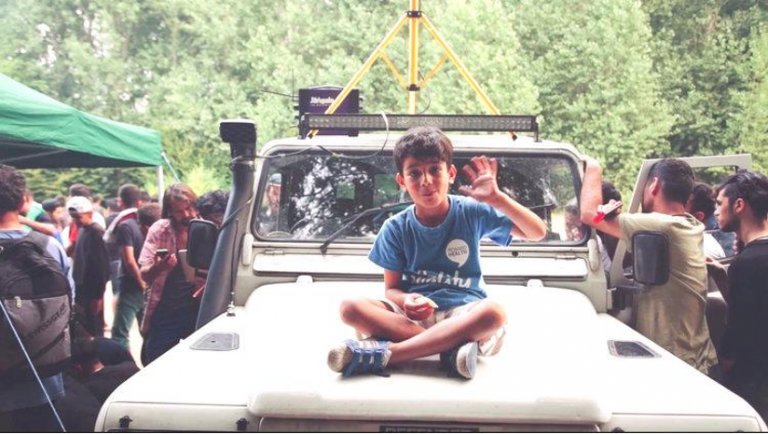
[[202, 243], [650, 251]]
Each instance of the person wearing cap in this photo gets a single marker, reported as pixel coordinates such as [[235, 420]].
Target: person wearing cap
[[90, 264]]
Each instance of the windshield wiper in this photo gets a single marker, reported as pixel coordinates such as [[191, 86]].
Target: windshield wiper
[[355, 218]]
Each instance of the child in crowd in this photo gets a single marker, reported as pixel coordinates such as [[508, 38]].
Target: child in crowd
[[430, 253]]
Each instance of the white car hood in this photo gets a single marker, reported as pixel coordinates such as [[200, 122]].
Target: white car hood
[[549, 370]]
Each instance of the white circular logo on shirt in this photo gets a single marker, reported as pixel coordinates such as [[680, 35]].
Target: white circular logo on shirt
[[457, 251]]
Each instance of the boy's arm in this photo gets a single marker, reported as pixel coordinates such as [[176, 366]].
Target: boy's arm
[[133, 266], [122, 234], [592, 198], [481, 172], [416, 306], [45, 228], [392, 282]]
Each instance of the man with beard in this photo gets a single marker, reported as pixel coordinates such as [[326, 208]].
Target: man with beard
[[171, 311], [742, 207], [673, 314]]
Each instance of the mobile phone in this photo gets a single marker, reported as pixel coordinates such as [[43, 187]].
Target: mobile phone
[[162, 253]]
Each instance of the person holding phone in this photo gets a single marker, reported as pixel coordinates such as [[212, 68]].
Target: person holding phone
[[171, 310]]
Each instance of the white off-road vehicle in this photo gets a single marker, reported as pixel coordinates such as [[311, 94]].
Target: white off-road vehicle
[[301, 220]]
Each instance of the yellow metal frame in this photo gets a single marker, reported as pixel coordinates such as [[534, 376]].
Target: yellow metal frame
[[415, 18]]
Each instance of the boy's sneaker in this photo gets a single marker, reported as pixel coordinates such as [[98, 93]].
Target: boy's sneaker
[[360, 357], [492, 345], [461, 361]]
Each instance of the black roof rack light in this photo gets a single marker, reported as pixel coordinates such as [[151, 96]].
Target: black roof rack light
[[371, 122]]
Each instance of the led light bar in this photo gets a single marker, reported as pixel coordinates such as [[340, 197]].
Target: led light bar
[[370, 122]]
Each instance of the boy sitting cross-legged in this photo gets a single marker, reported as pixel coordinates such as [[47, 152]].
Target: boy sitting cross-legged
[[430, 252]]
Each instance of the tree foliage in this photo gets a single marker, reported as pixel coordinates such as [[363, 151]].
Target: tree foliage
[[703, 53], [595, 75], [621, 79], [752, 121]]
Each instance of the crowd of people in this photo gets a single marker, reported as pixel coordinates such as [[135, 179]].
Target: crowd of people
[[133, 244]]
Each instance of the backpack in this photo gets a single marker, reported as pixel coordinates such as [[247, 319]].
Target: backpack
[[36, 295]]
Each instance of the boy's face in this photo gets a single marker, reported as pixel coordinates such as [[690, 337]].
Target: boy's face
[[82, 219], [427, 181], [57, 214]]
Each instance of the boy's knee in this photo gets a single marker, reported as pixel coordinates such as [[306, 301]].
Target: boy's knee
[[493, 315], [350, 310]]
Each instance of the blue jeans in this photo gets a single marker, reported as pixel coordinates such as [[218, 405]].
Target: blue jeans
[[114, 276], [130, 305], [166, 330]]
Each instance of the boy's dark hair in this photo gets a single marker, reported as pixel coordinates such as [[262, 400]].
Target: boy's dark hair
[[610, 192], [423, 144], [676, 178], [213, 202], [79, 190], [703, 200], [111, 204], [130, 195], [12, 188], [750, 186], [149, 214], [50, 205]]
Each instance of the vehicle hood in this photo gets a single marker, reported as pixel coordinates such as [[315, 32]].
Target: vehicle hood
[[549, 369]]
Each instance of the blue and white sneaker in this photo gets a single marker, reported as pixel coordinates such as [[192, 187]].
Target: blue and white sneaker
[[360, 357], [461, 361]]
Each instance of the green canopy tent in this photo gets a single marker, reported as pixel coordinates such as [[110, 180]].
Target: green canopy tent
[[37, 131]]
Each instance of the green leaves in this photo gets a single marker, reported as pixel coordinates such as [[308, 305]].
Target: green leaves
[[596, 81]]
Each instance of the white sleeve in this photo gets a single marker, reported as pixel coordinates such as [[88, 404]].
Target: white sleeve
[[712, 248]]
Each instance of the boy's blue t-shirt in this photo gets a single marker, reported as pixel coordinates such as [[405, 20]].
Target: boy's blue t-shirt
[[442, 263]]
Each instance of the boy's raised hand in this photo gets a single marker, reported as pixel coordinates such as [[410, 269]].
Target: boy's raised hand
[[481, 173]]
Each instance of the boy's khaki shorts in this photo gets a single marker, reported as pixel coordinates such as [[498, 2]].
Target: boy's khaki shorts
[[487, 347]]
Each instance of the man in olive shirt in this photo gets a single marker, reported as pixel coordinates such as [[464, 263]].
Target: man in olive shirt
[[674, 314]]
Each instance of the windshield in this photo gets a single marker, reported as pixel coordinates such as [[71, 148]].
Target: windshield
[[310, 196]]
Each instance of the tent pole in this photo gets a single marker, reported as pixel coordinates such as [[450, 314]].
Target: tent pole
[[160, 187]]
